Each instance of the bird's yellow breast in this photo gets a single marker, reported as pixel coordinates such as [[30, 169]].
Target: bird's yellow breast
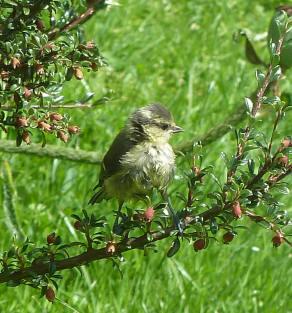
[[144, 167]]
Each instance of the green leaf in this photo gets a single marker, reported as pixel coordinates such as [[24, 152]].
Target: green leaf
[[174, 248], [276, 73], [248, 104], [260, 77]]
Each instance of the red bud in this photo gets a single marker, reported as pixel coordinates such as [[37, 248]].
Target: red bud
[[284, 160], [73, 129], [149, 214], [228, 237], [26, 138], [78, 225], [287, 143], [277, 239], [78, 73], [236, 211], [15, 63], [51, 238], [50, 294], [111, 247], [40, 25], [4, 75], [94, 66], [45, 126], [39, 69], [21, 122], [199, 244], [56, 117], [27, 93], [64, 137]]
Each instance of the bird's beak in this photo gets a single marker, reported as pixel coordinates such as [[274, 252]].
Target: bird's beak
[[177, 129]]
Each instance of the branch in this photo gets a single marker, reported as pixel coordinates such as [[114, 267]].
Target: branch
[[65, 106], [51, 151], [123, 246], [75, 21]]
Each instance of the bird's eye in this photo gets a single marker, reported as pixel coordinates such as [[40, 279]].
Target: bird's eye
[[164, 126]]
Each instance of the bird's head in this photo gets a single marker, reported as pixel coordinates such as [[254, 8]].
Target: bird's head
[[153, 123]]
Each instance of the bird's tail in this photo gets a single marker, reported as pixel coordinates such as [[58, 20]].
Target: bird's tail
[[98, 196]]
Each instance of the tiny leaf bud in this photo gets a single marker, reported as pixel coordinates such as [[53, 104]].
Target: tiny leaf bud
[[277, 239], [50, 294], [51, 238], [73, 129], [199, 244]]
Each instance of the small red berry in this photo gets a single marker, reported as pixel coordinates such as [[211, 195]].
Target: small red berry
[[22, 122], [45, 126], [39, 69], [111, 247], [94, 66], [27, 93], [26, 138], [78, 225], [277, 239], [64, 137], [73, 129], [56, 117], [228, 237], [50, 294], [199, 244], [149, 214], [15, 63], [236, 210], [287, 143], [78, 73], [51, 238], [40, 25], [284, 160]]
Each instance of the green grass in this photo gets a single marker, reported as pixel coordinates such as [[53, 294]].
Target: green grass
[[179, 53]]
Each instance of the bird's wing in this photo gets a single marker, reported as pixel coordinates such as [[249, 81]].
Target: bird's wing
[[111, 161]]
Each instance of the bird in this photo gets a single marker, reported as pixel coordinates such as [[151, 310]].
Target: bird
[[139, 160]]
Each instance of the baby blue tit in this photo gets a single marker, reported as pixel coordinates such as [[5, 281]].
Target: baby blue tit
[[140, 159]]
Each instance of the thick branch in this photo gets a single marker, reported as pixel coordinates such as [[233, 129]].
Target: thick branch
[[51, 151]]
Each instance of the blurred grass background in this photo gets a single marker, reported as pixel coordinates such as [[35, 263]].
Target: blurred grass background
[[180, 53]]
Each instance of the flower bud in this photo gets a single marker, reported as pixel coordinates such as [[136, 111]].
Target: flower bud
[[78, 73], [199, 244], [111, 247], [25, 137], [27, 93], [149, 214], [51, 238], [15, 63], [94, 66], [49, 46], [73, 129], [236, 210], [56, 117], [40, 25], [4, 75], [39, 69], [45, 126], [64, 137], [277, 239], [228, 237], [50, 294], [284, 160], [89, 46], [287, 143], [78, 225], [196, 170], [21, 122]]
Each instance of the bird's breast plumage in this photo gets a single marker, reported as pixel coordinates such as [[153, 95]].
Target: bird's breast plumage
[[142, 168]]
